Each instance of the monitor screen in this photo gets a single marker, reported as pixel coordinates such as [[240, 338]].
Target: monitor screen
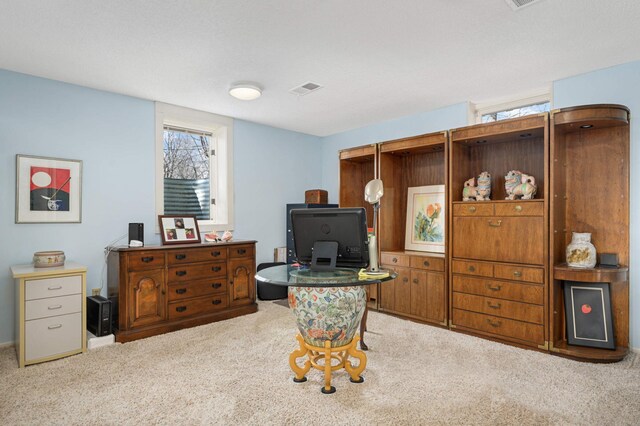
[[345, 226]]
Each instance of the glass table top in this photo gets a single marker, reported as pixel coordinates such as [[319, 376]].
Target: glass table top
[[302, 276]]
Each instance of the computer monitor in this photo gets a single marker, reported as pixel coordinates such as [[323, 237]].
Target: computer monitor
[[330, 238]]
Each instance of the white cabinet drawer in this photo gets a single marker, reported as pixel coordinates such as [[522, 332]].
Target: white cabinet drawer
[[53, 336], [53, 287], [42, 308]]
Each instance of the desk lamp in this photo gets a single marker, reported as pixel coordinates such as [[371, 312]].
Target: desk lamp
[[372, 194]]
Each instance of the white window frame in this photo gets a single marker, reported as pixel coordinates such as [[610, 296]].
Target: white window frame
[[221, 181], [508, 104]]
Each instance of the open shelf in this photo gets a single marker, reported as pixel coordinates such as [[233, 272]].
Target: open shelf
[[357, 168]]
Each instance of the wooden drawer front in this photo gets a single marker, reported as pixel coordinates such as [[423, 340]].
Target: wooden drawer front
[[473, 209], [428, 263], [179, 291], [241, 251], [394, 259], [529, 208], [53, 306], [146, 260], [473, 268], [499, 307], [519, 273], [178, 257], [197, 271], [201, 305], [52, 336], [503, 239], [53, 287], [499, 326], [527, 293]]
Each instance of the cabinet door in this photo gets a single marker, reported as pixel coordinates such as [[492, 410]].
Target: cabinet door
[[241, 282], [402, 291], [387, 289], [419, 294], [146, 297], [435, 297]]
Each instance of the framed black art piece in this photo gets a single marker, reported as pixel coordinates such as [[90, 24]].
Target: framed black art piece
[[588, 314]]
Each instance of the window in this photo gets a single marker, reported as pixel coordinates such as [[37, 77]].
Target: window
[[518, 108], [194, 166]]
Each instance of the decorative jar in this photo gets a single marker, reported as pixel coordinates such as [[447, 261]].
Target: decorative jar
[[580, 252], [48, 259]]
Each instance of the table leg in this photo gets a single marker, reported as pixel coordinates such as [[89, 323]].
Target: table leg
[[299, 353], [354, 372], [327, 368]]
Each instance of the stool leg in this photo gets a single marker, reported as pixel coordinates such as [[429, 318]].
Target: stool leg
[[298, 353], [327, 368], [354, 372]]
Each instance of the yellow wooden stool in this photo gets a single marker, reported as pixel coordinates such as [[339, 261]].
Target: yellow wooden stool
[[328, 359]]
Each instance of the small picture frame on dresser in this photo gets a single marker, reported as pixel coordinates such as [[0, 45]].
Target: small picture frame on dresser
[[180, 229]]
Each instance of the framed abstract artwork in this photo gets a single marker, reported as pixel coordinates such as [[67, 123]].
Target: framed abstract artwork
[[48, 190], [587, 308], [181, 229], [425, 227]]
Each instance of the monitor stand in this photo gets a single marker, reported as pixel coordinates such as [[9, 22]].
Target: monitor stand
[[324, 256]]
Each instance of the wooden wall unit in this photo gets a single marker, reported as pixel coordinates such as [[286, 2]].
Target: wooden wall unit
[[420, 290], [166, 288], [499, 247], [590, 193]]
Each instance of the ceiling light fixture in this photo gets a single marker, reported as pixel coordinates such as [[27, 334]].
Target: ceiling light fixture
[[245, 91]]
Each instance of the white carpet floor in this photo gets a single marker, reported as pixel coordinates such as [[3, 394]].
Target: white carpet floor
[[237, 372]]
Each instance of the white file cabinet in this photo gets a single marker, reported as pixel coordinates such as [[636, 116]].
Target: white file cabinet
[[50, 312]]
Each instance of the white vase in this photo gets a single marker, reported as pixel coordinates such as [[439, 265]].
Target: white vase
[[580, 252]]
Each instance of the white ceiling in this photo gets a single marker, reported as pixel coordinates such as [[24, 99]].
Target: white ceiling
[[377, 59]]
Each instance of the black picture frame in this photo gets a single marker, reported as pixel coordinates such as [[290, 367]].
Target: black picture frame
[[588, 314]]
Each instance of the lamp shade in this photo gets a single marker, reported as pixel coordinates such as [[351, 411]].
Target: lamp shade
[[245, 91]]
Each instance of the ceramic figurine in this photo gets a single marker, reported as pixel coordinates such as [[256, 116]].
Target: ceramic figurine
[[484, 186], [580, 252], [470, 190], [519, 185]]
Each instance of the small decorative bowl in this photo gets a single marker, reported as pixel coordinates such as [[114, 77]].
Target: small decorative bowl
[[48, 259]]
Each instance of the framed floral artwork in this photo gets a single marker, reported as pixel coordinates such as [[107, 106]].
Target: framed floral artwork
[[48, 190], [425, 226], [181, 229]]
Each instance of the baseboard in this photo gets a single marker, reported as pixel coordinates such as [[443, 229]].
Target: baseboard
[[7, 344]]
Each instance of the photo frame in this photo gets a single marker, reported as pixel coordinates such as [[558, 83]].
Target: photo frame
[[180, 229], [425, 224], [587, 308], [48, 190]]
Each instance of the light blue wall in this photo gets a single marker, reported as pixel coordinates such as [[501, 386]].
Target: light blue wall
[[616, 85], [272, 167], [433, 121], [113, 135]]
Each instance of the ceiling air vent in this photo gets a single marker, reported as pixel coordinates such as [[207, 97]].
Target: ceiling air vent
[[519, 4], [305, 88]]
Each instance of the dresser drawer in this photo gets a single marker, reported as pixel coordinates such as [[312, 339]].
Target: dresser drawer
[[197, 271], [145, 260], [519, 273], [499, 238], [52, 306], [499, 307], [473, 209], [519, 292], [179, 291], [500, 326], [526, 208], [201, 305], [53, 336], [472, 268], [394, 259], [241, 251], [178, 257], [428, 263], [53, 287]]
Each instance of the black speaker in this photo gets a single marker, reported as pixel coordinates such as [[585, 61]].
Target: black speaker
[[98, 315], [136, 232]]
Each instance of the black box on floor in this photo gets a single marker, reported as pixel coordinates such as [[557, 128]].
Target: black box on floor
[[98, 315]]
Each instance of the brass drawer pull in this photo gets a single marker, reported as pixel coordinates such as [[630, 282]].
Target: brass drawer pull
[[216, 285], [495, 224], [217, 302], [181, 308], [215, 253], [181, 290], [147, 259], [181, 273], [517, 273], [472, 268], [496, 288], [53, 327], [242, 251], [426, 263], [415, 281], [394, 260], [216, 269], [496, 306], [51, 308], [518, 208], [494, 324], [472, 209], [405, 279], [181, 256]]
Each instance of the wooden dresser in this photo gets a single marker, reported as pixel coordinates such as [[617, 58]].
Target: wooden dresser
[[160, 289]]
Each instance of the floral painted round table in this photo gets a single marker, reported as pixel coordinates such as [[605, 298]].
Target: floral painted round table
[[328, 307]]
